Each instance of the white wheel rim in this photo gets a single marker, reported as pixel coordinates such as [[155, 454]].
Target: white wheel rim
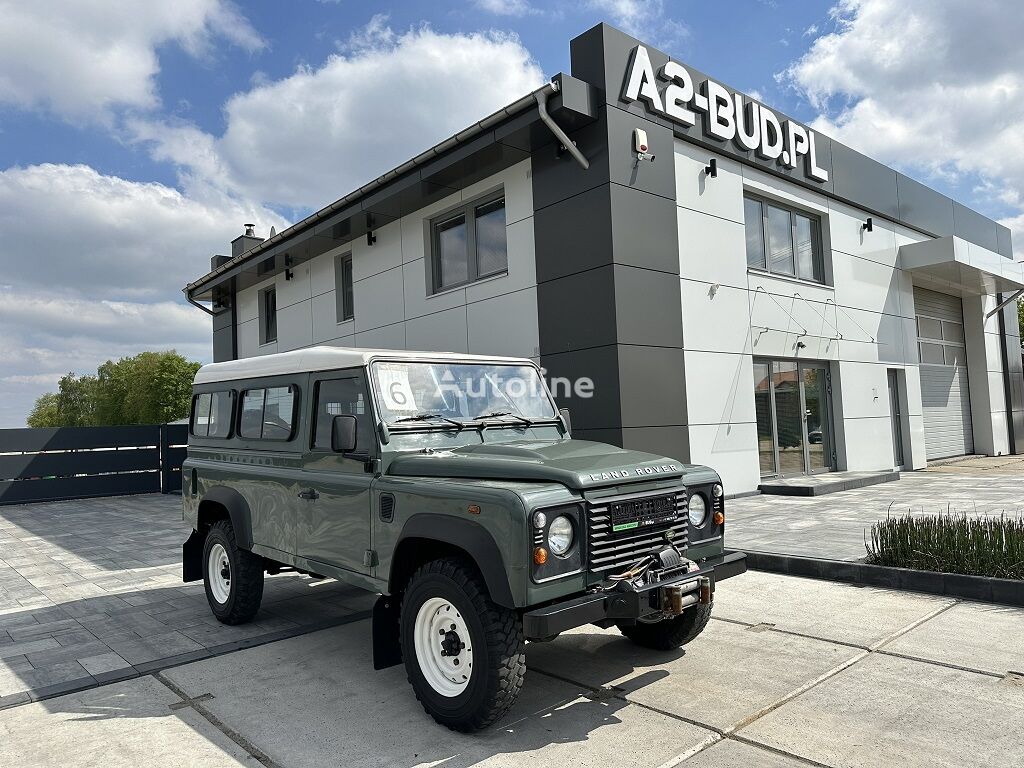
[[219, 570], [439, 630]]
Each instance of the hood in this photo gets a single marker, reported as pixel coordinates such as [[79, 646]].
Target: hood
[[577, 464]]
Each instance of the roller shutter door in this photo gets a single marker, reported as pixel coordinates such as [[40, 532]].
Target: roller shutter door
[[945, 395]]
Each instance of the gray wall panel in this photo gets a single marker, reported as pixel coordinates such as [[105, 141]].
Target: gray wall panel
[[972, 226], [223, 345], [1004, 240], [657, 176], [664, 441], [923, 208], [557, 176], [577, 311], [867, 182], [600, 365], [573, 235], [639, 237], [650, 379], [648, 308]]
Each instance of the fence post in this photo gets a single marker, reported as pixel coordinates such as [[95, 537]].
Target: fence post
[[164, 461]]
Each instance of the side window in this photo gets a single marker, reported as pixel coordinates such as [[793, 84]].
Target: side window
[[337, 397], [267, 414], [212, 414], [782, 240], [268, 315]]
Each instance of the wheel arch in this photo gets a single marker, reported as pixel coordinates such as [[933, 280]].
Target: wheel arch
[[427, 537], [220, 502]]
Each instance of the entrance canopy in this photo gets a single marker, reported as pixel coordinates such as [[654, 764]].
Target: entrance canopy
[[963, 266]]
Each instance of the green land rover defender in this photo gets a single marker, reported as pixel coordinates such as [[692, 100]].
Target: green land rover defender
[[449, 485]]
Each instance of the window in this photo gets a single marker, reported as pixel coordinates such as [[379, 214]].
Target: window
[[212, 414], [343, 287], [339, 397], [941, 342], [469, 243], [782, 240], [268, 315], [267, 414]]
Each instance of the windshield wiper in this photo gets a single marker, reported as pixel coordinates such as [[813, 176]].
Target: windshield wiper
[[498, 414], [428, 417]]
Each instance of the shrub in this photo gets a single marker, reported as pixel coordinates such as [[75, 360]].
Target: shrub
[[977, 546]]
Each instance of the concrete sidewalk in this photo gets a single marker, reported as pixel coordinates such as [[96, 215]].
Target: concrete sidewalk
[[91, 592], [835, 527], [790, 672]]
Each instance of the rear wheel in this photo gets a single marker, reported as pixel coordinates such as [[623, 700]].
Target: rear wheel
[[671, 633], [233, 576], [464, 654]]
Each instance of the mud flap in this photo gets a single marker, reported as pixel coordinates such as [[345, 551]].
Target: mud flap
[[387, 649], [192, 557]]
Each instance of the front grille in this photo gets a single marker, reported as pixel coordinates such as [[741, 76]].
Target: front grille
[[608, 549]]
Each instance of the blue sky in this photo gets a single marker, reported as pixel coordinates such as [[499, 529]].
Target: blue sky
[[136, 138]]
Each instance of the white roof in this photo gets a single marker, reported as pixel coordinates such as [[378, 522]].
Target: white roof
[[327, 359]]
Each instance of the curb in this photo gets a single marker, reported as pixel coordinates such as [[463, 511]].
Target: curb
[[984, 588]]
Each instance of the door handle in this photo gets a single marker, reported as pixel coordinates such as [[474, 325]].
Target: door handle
[[310, 494]]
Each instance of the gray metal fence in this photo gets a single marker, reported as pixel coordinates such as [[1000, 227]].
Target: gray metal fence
[[82, 462]]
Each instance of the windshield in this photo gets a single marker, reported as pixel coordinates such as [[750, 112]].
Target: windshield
[[413, 391]]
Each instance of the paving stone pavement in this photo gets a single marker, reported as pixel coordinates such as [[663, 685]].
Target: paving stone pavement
[[91, 593], [835, 526]]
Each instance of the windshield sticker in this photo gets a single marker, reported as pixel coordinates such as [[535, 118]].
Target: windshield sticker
[[394, 386]]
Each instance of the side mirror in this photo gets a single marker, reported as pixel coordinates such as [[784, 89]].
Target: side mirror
[[343, 434], [563, 414]]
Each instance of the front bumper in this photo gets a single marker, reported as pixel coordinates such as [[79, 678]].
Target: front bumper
[[597, 607]]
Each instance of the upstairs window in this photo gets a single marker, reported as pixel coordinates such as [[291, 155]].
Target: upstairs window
[[469, 243], [267, 414], [343, 287], [268, 315], [782, 240]]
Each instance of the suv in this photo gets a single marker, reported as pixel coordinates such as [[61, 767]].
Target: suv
[[450, 485]]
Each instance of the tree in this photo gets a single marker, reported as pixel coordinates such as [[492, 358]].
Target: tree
[[149, 388]]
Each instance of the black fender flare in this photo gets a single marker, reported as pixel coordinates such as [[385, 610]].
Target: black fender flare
[[466, 535], [238, 511]]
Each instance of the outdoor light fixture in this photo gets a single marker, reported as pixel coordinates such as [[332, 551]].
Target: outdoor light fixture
[[711, 169], [869, 225]]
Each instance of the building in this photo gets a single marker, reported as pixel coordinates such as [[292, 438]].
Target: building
[[743, 292]]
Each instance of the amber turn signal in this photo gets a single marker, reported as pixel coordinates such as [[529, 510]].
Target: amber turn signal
[[719, 518], [540, 555]]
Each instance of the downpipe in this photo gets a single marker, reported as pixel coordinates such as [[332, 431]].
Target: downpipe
[[555, 128]]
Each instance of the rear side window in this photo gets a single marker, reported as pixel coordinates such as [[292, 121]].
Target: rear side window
[[212, 414], [339, 397], [267, 414]]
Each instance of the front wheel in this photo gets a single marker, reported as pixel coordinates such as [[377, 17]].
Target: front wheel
[[233, 577], [671, 633], [464, 655]]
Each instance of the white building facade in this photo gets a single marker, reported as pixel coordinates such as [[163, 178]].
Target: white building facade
[[768, 305]]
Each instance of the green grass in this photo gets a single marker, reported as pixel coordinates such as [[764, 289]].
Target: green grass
[[978, 546]]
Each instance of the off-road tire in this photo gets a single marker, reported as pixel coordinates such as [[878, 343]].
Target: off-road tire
[[498, 646], [671, 633], [246, 591]]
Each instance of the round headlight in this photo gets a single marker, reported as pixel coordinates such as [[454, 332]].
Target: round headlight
[[698, 510], [560, 535]]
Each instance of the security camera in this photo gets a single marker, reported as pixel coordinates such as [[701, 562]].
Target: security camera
[[641, 145]]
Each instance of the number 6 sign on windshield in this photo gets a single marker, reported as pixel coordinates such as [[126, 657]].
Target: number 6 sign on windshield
[[394, 385]]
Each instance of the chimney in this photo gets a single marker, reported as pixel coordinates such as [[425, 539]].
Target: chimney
[[243, 243], [218, 260]]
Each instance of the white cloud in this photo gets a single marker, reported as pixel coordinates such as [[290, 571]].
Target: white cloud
[[646, 20], [93, 267], [322, 132], [933, 86], [80, 59], [508, 7]]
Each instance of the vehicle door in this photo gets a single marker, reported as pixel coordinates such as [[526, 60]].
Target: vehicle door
[[334, 503]]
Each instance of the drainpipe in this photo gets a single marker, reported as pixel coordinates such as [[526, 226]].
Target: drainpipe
[[555, 128], [1000, 305]]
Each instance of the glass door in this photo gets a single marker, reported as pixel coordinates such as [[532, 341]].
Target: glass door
[[814, 382], [792, 403]]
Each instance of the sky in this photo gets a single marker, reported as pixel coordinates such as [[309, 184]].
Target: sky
[[137, 138]]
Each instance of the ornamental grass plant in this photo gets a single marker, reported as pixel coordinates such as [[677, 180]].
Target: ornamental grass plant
[[951, 543]]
